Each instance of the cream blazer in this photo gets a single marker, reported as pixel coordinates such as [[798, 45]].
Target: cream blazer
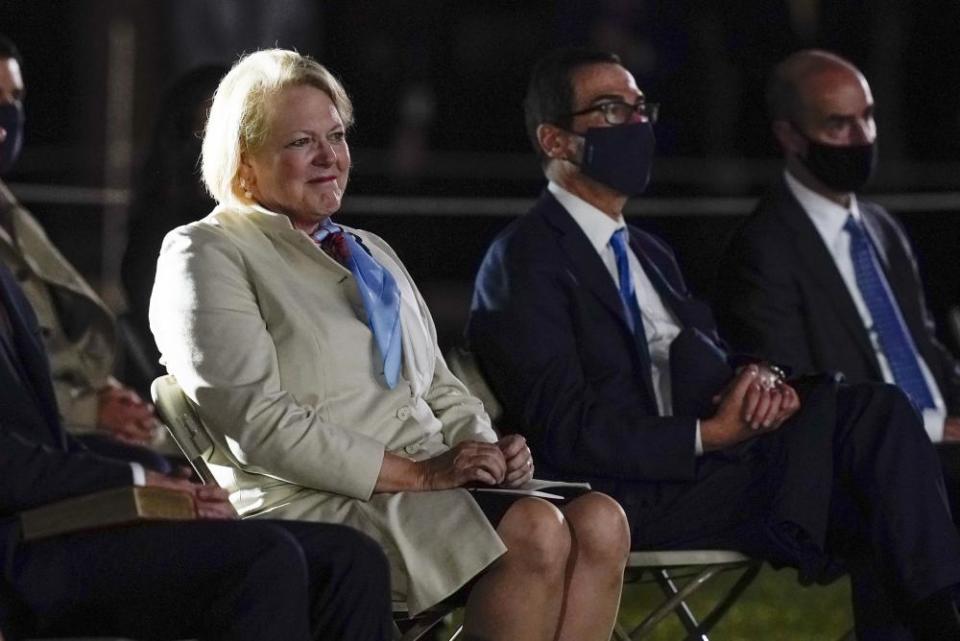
[[267, 335]]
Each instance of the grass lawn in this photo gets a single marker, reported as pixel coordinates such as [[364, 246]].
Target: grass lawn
[[774, 608]]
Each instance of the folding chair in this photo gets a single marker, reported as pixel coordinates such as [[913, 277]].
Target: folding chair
[[697, 567], [183, 422], [666, 567]]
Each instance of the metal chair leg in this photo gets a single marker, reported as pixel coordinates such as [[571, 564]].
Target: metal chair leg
[[676, 597], [676, 602], [682, 610], [719, 610]]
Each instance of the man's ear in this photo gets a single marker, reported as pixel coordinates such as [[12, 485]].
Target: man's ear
[[790, 140], [554, 142]]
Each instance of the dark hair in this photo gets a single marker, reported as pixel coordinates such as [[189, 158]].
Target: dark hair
[[168, 193], [550, 92], [9, 50]]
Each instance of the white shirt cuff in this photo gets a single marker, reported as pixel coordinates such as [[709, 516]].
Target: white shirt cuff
[[139, 476], [933, 423], [698, 442]]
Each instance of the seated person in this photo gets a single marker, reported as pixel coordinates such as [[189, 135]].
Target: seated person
[[313, 360], [209, 579], [78, 329], [616, 376], [820, 279]]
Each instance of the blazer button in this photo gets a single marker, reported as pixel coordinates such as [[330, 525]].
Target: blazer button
[[411, 449], [403, 413]]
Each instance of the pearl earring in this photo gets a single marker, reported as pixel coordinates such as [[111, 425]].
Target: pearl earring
[[246, 192]]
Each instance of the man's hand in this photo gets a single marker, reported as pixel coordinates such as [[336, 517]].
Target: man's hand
[[467, 462], [750, 406], [769, 401], [125, 415], [951, 430], [212, 502], [518, 458]]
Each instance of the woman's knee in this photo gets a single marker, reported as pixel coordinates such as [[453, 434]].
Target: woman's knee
[[601, 533], [536, 535]]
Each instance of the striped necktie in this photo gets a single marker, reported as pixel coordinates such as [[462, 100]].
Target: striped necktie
[[888, 322], [378, 290]]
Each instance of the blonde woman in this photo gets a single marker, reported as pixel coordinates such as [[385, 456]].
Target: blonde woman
[[312, 357]]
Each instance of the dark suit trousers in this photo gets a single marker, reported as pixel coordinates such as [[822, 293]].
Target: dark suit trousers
[[887, 518], [238, 581], [950, 465]]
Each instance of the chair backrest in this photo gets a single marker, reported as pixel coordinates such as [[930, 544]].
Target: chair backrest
[[464, 366], [182, 421]]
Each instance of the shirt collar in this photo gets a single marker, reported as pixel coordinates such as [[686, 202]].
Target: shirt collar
[[827, 216], [596, 225]]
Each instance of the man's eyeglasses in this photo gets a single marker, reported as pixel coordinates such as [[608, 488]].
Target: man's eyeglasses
[[617, 112]]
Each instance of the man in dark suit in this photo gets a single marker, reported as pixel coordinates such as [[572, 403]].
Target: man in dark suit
[[211, 579], [80, 332], [819, 279], [586, 331]]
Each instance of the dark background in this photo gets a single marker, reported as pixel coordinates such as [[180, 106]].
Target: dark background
[[437, 87]]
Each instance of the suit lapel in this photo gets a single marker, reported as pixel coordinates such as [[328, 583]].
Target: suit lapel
[[590, 270], [879, 239], [593, 276], [819, 263], [899, 270], [670, 296], [296, 245]]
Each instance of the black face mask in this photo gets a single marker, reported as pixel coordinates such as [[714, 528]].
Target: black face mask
[[11, 121], [620, 157], [842, 168]]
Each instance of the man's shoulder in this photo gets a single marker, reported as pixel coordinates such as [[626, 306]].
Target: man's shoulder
[[530, 235], [770, 218]]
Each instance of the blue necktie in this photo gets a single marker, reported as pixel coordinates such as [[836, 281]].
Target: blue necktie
[[895, 340], [628, 293], [380, 295]]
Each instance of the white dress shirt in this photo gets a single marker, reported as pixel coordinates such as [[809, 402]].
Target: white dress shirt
[[829, 218], [659, 323]]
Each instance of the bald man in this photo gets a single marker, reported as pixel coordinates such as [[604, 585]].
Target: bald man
[[821, 280]]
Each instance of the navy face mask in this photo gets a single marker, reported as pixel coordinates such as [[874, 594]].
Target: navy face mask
[[11, 121], [620, 157]]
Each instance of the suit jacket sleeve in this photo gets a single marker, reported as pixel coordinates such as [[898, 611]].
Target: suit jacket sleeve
[[207, 322], [761, 310], [578, 408], [34, 474]]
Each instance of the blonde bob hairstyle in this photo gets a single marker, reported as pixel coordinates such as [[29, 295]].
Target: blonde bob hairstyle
[[237, 121]]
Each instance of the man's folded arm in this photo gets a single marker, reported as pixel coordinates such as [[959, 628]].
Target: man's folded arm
[[34, 474]]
